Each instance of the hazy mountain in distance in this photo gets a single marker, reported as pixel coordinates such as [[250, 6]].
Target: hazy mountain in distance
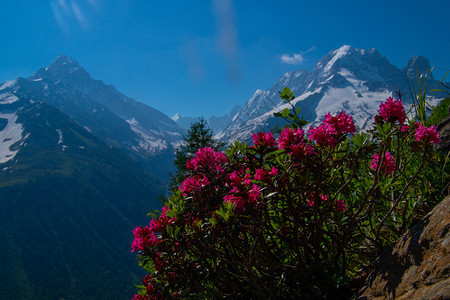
[[137, 129]]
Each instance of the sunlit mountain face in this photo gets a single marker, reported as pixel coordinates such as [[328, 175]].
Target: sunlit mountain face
[[349, 79]]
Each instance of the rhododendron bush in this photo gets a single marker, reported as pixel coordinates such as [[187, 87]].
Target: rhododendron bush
[[299, 214]]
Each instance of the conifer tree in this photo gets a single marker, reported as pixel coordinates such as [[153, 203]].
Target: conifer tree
[[199, 136]]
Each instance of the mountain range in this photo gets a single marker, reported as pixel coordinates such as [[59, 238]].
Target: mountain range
[[81, 164], [349, 79], [74, 183], [138, 130]]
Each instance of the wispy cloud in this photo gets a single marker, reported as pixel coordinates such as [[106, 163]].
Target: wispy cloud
[[191, 53], [310, 49], [296, 58], [227, 37], [73, 13]]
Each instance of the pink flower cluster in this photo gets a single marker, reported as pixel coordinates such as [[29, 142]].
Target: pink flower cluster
[[151, 289], [388, 166], [242, 190], [323, 135], [193, 184], [329, 131], [262, 140], [392, 110], [342, 123], [207, 159], [239, 199], [293, 142], [239, 178], [311, 199], [289, 137], [144, 238], [340, 205], [148, 236], [261, 174], [427, 134]]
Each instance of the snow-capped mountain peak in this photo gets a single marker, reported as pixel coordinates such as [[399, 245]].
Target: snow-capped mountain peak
[[350, 79], [63, 61], [67, 69], [119, 121], [337, 54]]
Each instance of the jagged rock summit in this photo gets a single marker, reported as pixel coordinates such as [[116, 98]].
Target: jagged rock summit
[[133, 127]]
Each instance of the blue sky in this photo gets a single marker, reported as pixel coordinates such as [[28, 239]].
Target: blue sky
[[203, 57]]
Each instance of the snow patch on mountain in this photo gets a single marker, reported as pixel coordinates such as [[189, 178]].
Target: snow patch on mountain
[[337, 54], [148, 141], [176, 117], [60, 136], [11, 137], [8, 98], [8, 84], [61, 139], [361, 106]]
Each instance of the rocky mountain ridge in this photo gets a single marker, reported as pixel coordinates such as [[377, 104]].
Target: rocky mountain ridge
[[137, 129], [350, 79]]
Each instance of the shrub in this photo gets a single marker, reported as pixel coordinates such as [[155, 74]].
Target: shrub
[[300, 215]]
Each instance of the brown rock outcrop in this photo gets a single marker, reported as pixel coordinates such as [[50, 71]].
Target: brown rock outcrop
[[444, 132], [418, 265]]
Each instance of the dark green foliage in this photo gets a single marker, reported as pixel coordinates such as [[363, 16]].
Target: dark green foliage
[[199, 136], [292, 117], [299, 217], [440, 112]]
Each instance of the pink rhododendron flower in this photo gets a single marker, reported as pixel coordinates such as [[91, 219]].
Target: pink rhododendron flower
[[151, 288], [323, 197], [158, 225], [293, 142], [207, 159], [311, 199], [138, 297], [405, 128], [342, 123], [289, 137], [262, 175], [238, 202], [273, 171], [263, 139], [340, 205], [392, 110], [427, 134], [143, 238], [388, 166], [323, 135], [193, 184], [254, 194], [237, 180], [303, 150]]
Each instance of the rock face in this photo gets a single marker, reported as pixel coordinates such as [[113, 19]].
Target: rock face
[[418, 265], [444, 132]]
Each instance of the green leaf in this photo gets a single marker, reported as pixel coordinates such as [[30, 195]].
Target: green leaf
[[285, 112]]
